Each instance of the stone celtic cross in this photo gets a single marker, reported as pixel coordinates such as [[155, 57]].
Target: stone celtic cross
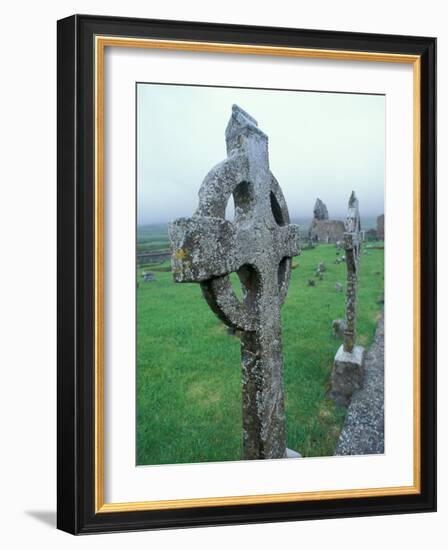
[[257, 245], [347, 375]]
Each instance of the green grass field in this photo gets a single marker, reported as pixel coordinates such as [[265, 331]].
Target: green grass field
[[188, 366], [152, 237]]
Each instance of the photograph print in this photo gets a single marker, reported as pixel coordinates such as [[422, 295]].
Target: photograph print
[[259, 274]]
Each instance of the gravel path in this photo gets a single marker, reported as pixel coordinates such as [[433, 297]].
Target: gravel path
[[363, 430]]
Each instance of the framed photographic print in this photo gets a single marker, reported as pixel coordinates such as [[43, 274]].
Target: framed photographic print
[[246, 274]]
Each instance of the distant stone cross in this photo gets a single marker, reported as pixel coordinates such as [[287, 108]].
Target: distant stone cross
[[257, 245], [348, 369], [352, 245]]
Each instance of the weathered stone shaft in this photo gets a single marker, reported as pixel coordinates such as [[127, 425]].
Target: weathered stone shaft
[[263, 397], [262, 375], [352, 247], [351, 301]]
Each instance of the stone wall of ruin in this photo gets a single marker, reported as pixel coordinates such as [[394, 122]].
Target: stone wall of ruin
[[327, 231]]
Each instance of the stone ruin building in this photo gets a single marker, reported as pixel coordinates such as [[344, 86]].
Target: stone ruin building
[[320, 210], [322, 229]]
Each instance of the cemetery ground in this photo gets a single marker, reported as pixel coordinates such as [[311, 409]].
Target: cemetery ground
[[188, 366]]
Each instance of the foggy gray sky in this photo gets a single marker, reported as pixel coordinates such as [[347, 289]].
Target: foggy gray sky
[[320, 145]]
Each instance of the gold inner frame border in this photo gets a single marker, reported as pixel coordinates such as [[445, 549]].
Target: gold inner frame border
[[100, 44]]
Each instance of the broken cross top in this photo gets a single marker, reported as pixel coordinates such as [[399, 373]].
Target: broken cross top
[[257, 245], [352, 244]]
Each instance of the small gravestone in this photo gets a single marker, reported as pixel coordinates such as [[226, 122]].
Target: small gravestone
[[339, 326], [258, 245], [338, 287], [320, 268], [148, 276], [347, 374]]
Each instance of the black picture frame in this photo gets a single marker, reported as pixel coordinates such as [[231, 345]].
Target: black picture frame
[[76, 286]]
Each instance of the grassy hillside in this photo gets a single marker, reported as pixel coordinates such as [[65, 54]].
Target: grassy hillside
[[152, 237]]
